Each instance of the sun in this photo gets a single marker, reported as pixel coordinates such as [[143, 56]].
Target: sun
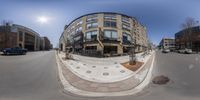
[[43, 19]]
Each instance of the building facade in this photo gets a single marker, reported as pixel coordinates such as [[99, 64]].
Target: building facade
[[45, 44], [104, 33], [167, 43], [188, 38], [13, 35]]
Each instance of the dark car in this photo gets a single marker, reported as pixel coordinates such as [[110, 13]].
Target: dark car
[[15, 50]]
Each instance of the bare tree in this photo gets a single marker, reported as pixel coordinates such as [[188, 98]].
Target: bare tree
[[132, 59], [5, 29], [187, 26], [132, 56], [189, 23]]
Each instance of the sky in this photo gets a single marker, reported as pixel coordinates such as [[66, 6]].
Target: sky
[[162, 18]]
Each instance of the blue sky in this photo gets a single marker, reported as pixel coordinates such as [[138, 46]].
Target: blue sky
[[162, 18]]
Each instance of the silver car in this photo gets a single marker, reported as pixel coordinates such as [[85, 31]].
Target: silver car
[[165, 50], [186, 51]]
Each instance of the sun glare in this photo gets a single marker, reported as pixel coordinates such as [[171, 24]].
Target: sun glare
[[42, 19]]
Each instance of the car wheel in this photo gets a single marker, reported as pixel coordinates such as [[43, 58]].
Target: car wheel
[[24, 53], [7, 53]]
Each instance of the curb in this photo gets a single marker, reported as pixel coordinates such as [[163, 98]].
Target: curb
[[69, 88]]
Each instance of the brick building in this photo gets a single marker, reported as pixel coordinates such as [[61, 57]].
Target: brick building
[[8, 38], [188, 38], [13, 35]]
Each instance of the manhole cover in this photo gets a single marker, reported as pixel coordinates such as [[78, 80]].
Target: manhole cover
[[160, 80], [105, 74], [77, 67], [84, 64], [122, 71], [93, 66], [117, 66], [88, 71], [105, 67], [115, 62], [71, 64]]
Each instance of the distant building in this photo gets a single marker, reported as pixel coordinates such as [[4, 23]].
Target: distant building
[[45, 44], [104, 33], [167, 43], [151, 45], [188, 38], [13, 35]]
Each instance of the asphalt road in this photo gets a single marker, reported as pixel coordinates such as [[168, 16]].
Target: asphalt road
[[34, 77]]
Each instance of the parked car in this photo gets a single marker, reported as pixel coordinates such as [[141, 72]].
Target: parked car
[[15, 50], [186, 51], [165, 50]]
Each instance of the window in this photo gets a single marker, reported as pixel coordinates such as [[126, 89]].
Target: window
[[92, 18], [29, 39], [110, 16], [125, 19], [80, 22], [91, 48], [91, 36], [20, 36], [110, 34], [110, 24], [77, 38], [79, 29], [126, 37], [72, 27], [72, 32], [92, 25], [126, 27]]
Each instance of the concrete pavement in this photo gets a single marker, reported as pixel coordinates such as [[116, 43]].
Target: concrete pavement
[[81, 86], [101, 70], [35, 77], [30, 77], [184, 84]]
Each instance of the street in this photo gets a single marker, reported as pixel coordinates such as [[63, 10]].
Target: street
[[34, 77], [30, 77]]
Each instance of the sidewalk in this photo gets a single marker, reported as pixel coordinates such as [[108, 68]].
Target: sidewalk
[[77, 84]]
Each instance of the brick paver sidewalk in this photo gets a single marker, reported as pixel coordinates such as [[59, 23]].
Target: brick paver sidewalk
[[86, 85]]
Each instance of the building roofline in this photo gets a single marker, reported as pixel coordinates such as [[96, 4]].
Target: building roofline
[[168, 38], [179, 32], [29, 29]]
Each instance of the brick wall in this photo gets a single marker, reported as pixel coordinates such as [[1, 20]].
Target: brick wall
[[8, 40]]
